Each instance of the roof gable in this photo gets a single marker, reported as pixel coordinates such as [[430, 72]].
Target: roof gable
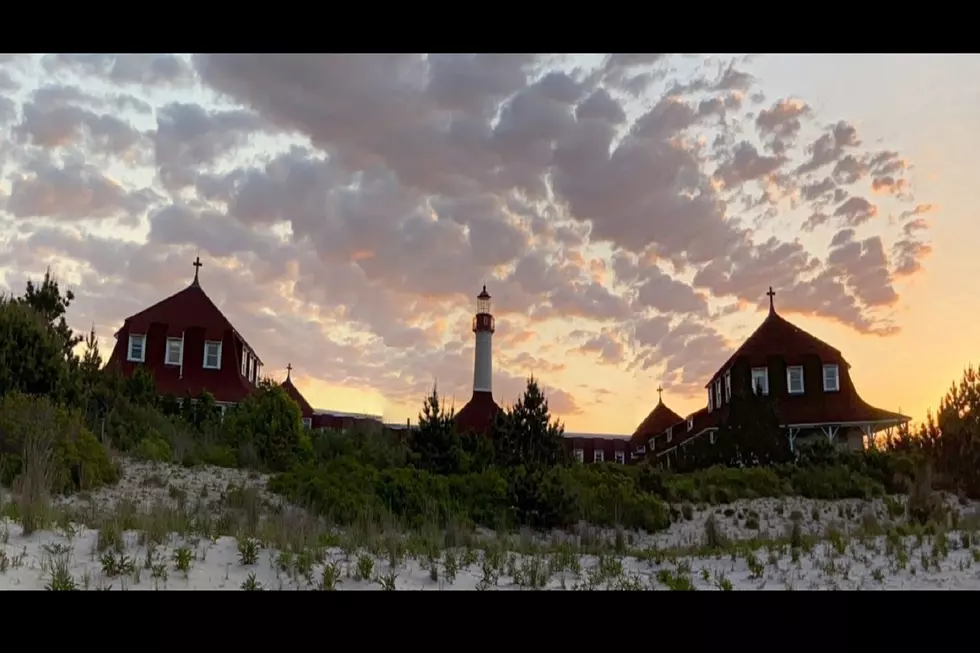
[[297, 396], [777, 336], [187, 308], [656, 422]]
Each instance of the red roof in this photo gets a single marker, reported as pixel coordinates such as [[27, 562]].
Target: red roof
[[478, 415], [778, 337], [656, 422], [185, 309], [297, 396]]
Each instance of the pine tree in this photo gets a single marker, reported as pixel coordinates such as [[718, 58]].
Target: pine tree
[[526, 433], [751, 434], [436, 446]]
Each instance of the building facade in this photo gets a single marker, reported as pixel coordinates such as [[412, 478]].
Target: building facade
[[808, 380], [189, 347]]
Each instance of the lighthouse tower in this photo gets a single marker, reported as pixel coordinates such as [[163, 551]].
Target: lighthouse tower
[[483, 327], [478, 415]]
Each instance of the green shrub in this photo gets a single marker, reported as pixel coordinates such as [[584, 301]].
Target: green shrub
[[154, 448], [268, 425], [80, 461]]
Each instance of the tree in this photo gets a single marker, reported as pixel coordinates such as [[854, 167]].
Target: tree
[[950, 439], [268, 426], [435, 445], [751, 434], [51, 305], [32, 357], [526, 435]]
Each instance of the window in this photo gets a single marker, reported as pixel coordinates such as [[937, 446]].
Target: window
[[711, 403], [794, 379], [244, 362], [642, 449], [579, 455], [308, 422], [212, 355], [621, 457], [598, 455], [248, 364], [728, 385], [137, 348], [711, 435], [670, 433], [831, 378], [760, 380], [718, 392], [258, 372], [175, 351], [690, 423]]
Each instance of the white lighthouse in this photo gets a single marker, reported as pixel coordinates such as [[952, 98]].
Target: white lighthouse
[[483, 327]]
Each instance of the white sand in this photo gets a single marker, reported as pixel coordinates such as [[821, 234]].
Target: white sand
[[849, 559]]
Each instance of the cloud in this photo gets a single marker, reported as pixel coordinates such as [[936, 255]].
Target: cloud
[[348, 208]]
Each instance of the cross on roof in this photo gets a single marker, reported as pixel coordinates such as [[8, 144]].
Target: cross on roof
[[289, 369], [660, 393], [197, 267], [771, 294]]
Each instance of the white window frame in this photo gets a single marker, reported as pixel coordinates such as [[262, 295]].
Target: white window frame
[[642, 449], [653, 443], [167, 359], [711, 434], [728, 385], [141, 339], [210, 344], [718, 400], [598, 456], [789, 380], [835, 387], [258, 372], [711, 402], [670, 433], [763, 374], [621, 457], [308, 422], [690, 423], [579, 454]]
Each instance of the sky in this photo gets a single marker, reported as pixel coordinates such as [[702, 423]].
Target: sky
[[627, 213]]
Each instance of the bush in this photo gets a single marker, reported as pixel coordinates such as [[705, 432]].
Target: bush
[[269, 425], [80, 461]]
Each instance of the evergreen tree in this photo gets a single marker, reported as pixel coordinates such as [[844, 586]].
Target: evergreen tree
[[435, 445], [751, 434], [50, 304], [526, 434]]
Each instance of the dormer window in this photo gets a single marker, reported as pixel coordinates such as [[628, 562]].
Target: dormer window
[[794, 379], [670, 433], [579, 455], [621, 457], [598, 455], [212, 355], [137, 348], [690, 423], [728, 385], [718, 392], [760, 380], [175, 351], [831, 378]]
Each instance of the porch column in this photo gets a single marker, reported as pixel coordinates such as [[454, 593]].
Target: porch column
[[793, 432], [868, 432], [830, 432]]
